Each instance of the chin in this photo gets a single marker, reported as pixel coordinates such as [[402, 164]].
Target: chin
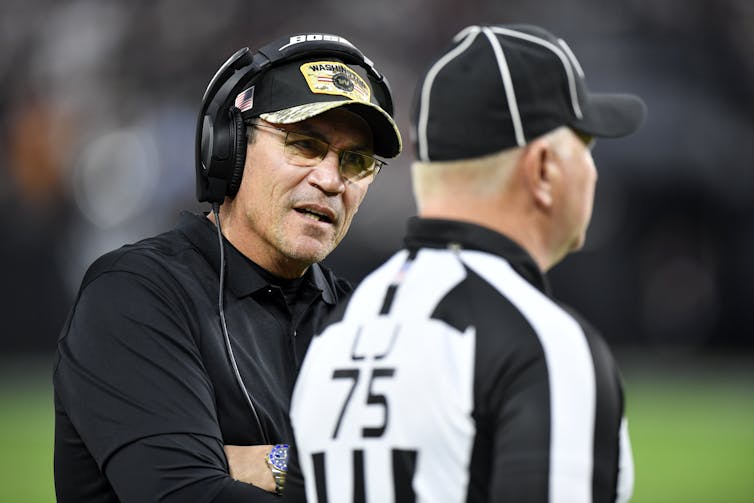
[[311, 254]]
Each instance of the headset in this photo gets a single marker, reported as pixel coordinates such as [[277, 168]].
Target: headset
[[220, 130], [221, 135]]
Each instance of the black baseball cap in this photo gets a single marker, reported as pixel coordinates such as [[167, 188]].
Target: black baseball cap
[[500, 86], [302, 89]]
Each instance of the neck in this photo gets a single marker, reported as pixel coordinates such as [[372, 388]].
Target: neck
[[527, 228], [263, 254]]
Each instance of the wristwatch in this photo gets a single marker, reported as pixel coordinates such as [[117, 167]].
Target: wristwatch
[[277, 461]]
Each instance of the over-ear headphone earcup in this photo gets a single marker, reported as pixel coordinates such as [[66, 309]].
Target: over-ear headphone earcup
[[239, 151], [220, 157]]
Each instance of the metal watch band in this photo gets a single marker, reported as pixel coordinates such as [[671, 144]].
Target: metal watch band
[[277, 461]]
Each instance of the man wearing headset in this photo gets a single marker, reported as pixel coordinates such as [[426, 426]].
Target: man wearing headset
[[174, 370]]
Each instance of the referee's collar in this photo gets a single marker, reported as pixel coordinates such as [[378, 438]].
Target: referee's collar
[[439, 233], [242, 279]]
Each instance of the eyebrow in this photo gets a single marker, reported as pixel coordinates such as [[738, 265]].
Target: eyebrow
[[315, 133]]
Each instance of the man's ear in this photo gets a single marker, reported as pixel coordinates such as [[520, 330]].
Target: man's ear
[[539, 172]]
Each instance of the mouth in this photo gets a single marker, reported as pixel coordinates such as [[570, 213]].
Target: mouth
[[316, 215]]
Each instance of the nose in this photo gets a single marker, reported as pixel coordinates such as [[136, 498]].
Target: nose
[[326, 174]]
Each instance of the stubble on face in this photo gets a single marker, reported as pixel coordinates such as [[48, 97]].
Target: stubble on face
[[296, 216]]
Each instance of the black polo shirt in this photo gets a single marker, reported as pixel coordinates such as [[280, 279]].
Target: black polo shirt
[[145, 394]]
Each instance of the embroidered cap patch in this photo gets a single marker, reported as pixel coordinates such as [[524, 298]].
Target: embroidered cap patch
[[332, 77]]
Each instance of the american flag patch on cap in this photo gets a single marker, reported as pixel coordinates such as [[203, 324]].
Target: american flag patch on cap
[[245, 100]]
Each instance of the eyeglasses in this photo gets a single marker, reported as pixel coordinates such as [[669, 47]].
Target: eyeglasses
[[306, 152]]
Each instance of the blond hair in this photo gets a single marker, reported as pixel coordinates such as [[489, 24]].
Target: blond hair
[[479, 176]]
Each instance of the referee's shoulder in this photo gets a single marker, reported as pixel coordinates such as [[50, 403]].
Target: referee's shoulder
[[589, 329]]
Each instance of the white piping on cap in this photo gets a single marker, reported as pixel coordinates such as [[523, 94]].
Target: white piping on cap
[[463, 33], [572, 57], [510, 93], [564, 59], [421, 130]]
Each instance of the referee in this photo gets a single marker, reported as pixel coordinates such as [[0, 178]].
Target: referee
[[452, 375]]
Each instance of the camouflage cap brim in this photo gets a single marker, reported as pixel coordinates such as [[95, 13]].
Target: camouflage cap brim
[[387, 137]]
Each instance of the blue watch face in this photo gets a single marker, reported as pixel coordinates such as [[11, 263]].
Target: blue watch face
[[279, 457]]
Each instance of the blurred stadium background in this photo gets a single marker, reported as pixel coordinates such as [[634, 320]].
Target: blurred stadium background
[[98, 100]]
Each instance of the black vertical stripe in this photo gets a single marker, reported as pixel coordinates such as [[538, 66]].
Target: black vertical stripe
[[513, 460], [390, 294], [359, 490], [318, 459], [606, 448], [404, 467], [608, 415]]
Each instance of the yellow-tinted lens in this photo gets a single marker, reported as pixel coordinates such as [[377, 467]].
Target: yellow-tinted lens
[[355, 166], [304, 150]]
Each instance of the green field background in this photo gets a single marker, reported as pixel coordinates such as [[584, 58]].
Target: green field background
[[691, 420]]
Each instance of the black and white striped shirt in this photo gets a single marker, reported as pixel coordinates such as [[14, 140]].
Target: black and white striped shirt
[[451, 375]]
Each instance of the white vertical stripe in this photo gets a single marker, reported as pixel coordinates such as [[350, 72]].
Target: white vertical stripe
[[571, 378], [368, 298], [420, 298], [510, 92], [421, 129], [625, 486], [558, 52]]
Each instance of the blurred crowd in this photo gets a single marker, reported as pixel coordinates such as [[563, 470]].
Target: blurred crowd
[[98, 104]]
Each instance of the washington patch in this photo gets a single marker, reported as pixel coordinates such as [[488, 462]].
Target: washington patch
[[332, 77]]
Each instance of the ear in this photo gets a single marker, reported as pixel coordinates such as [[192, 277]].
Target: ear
[[540, 172]]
